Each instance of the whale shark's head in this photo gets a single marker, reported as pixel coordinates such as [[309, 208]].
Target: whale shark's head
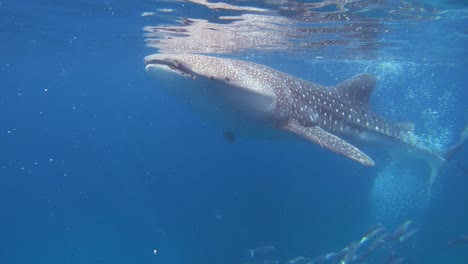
[[214, 83]]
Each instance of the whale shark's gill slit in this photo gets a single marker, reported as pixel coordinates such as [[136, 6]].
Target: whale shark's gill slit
[[183, 69]]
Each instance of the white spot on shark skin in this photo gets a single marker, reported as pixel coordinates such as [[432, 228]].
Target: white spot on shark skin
[[312, 119]]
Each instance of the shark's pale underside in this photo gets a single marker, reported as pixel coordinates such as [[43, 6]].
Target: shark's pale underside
[[241, 95]]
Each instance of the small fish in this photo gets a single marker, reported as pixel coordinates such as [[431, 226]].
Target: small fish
[[165, 10], [270, 261], [299, 260], [327, 258], [145, 14], [393, 258], [396, 261], [374, 231], [347, 254], [261, 251], [366, 249], [408, 235], [459, 241], [400, 231]]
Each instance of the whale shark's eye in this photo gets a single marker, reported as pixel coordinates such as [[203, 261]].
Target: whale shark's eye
[[228, 79]]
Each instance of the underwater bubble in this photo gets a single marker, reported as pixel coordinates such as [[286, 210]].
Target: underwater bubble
[[399, 192]]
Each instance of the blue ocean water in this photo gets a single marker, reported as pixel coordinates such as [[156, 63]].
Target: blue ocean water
[[99, 164]]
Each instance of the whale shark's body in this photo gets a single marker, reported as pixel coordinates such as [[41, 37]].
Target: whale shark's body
[[242, 95]]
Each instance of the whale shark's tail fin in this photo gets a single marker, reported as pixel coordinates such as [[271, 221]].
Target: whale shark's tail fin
[[445, 157], [434, 172], [455, 148]]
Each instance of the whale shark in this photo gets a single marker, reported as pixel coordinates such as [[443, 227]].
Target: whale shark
[[246, 96]]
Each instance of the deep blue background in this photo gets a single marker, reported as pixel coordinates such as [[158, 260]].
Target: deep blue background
[[98, 165]]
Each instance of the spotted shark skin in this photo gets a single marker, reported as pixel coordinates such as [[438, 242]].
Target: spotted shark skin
[[319, 114]]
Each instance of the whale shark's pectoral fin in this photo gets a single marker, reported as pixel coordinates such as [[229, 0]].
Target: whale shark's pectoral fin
[[329, 141]]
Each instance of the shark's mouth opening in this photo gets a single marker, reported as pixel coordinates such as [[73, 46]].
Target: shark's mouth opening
[[172, 65]]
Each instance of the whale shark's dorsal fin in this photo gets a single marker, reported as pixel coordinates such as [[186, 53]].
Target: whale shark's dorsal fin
[[329, 141], [358, 88]]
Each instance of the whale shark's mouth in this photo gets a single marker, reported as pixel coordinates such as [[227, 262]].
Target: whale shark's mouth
[[175, 66]]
